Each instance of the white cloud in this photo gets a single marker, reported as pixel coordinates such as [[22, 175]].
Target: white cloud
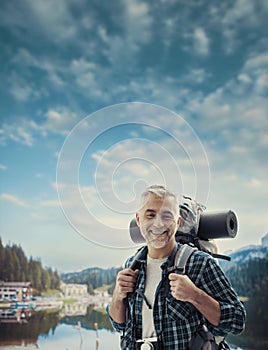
[[55, 22], [54, 70], [59, 120], [239, 105], [16, 133], [200, 42], [137, 23], [135, 31], [21, 88], [14, 200], [196, 76], [3, 167], [26, 131], [256, 61], [240, 16], [88, 76], [241, 10]]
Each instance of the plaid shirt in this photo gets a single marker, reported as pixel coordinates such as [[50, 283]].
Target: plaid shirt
[[176, 322]]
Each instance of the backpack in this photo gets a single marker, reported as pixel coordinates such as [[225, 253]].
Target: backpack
[[187, 233]]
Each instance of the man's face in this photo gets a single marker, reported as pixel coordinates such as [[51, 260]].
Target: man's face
[[158, 220]]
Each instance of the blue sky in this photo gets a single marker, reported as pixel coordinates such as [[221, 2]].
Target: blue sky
[[70, 74]]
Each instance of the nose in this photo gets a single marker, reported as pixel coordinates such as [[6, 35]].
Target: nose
[[158, 223]]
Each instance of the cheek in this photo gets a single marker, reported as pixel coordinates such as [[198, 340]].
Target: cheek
[[173, 226], [144, 228]]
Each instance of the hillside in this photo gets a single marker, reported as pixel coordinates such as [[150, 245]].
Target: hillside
[[251, 252], [92, 276]]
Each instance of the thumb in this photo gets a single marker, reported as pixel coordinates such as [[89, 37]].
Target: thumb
[[172, 276]]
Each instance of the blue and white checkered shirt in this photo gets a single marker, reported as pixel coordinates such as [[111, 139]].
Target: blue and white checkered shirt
[[176, 322]]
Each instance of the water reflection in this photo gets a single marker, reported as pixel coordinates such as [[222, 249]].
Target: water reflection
[[15, 315], [24, 326], [24, 333], [75, 326]]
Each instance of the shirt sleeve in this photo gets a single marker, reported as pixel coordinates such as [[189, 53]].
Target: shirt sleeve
[[214, 282], [118, 327]]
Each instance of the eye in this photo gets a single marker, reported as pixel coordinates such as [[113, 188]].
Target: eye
[[150, 215], [167, 217]]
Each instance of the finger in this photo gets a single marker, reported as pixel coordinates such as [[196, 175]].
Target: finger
[[136, 272], [126, 290], [172, 284], [173, 276], [124, 277], [130, 272], [127, 284]]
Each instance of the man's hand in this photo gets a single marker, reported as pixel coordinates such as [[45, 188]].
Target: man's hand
[[182, 288], [125, 283]]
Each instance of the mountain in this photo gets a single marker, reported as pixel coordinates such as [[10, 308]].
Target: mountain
[[93, 276], [248, 269], [251, 252]]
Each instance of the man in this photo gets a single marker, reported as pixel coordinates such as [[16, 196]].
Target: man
[[168, 308]]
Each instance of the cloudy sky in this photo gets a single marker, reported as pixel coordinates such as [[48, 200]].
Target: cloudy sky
[[101, 98]]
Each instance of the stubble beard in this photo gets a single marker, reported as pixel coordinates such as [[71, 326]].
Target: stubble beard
[[157, 242]]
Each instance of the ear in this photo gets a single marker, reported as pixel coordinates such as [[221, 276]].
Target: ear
[[138, 219], [179, 221]]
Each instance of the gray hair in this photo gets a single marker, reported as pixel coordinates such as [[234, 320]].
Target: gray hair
[[160, 192]]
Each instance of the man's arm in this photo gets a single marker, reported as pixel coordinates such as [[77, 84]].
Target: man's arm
[[208, 277], [182, 288], [125, 284]]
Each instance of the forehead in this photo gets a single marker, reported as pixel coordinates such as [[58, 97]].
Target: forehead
[[156, 203]]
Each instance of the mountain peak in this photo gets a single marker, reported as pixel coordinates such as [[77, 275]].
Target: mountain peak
[[250, 252], [264, 241]]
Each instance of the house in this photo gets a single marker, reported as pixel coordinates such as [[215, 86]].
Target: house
[[16, 291], [71, 290]]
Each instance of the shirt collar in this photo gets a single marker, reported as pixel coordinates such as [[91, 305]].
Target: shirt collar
[[169, 262]]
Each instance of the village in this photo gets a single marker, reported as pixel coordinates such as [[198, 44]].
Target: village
[[17, 301]]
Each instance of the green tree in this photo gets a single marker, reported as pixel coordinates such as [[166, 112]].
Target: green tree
[[14, 266], [35, 271], [8, 265], [23, 262], [45, 280]]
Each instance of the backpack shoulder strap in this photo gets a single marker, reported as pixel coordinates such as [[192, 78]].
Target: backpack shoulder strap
[[140, 253], [181, 258]]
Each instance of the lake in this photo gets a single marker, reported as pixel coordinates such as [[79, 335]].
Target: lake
[[75, 327]]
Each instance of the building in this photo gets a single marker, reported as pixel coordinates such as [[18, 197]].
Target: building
[[16, 291], [71, 290]]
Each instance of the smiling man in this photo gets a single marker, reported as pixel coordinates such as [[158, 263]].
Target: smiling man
[[158, 219], [156, 309]]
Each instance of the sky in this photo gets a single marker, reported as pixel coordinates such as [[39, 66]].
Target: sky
[[101, 98]]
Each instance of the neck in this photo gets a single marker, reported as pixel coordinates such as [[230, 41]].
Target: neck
[[160, 253]]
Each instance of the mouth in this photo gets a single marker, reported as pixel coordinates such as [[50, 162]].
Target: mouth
[[158, 234]]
